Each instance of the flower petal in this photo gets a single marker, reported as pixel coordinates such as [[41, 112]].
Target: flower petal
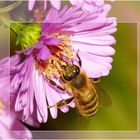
[[94, 49], [43, 53], [52, 13], [31, 4], [74, 2], [55, 4], [96, 69], [40, 97], [98, 40], [64, 109], [92, 24], [50, 95], [105, 61], [45, 4]]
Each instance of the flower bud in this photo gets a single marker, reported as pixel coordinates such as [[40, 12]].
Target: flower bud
[[27, 33]]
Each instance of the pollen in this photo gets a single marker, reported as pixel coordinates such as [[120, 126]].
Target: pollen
[[65, 47], [60, 55]]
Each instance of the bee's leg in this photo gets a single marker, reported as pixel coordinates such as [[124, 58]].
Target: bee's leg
[[80, 62], [62, 103], [56, 85], [96, 80]]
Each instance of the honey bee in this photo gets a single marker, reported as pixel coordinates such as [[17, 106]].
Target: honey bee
[[83, 91], [82, 88]]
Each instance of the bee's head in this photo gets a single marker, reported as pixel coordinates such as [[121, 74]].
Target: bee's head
[[70, 72]]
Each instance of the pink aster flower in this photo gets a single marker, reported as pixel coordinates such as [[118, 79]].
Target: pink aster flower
[[35, 78]]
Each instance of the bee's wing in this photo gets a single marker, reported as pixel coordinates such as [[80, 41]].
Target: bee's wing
[[104, 98]]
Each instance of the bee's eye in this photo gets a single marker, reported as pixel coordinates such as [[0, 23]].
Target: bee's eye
[[76, 70], [71, 72], [68, 77]]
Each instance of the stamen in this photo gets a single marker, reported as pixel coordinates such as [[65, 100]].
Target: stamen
[[65, 46], [53, 66]]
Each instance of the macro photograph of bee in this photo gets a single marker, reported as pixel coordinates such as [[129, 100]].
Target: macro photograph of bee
[[86, 94], [68, 69], [98, 101]]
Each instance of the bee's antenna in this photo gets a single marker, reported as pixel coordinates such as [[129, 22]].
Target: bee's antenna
[[80, 62]]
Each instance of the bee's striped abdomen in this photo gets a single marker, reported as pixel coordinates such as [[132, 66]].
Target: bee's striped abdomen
[[87, 103]]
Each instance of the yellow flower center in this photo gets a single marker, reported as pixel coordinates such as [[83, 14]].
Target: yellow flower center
[[64, 48], [53, 65]]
